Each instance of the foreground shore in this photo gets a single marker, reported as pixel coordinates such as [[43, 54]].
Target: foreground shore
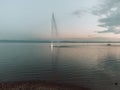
[[38, 85]]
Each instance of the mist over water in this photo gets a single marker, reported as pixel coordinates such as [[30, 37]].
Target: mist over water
[[95, 66]]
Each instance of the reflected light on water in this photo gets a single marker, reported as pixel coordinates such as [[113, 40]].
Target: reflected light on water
[[51, 47]]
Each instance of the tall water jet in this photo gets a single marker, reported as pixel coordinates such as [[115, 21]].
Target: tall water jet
[[54, 32]]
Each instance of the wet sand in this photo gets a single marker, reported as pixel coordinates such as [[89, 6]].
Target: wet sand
[[38, 85]]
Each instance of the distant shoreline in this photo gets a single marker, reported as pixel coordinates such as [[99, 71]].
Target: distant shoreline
[[48, 41]]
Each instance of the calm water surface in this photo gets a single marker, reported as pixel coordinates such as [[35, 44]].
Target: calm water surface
[[96, 66]]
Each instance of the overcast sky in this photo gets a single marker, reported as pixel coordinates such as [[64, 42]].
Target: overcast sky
[[31, 19]]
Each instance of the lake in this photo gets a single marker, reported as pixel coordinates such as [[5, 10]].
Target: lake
[[96, 66]]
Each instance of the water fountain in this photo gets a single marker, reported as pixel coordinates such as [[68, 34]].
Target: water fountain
[[54, 32]]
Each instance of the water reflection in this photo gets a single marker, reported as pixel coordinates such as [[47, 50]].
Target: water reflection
[[96, 67], [55, 58], [107, 70], [110, 64]]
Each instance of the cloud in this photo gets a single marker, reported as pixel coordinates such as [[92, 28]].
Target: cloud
[[79, 13], [110, 30], [112, 20], [109, 13]]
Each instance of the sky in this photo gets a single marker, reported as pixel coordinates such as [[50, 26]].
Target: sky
[[81, 19]]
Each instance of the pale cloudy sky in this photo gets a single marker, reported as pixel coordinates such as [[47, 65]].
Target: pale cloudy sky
[[31, 19]]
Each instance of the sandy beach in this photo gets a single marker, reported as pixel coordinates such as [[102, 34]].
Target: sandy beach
[[38, 85]]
